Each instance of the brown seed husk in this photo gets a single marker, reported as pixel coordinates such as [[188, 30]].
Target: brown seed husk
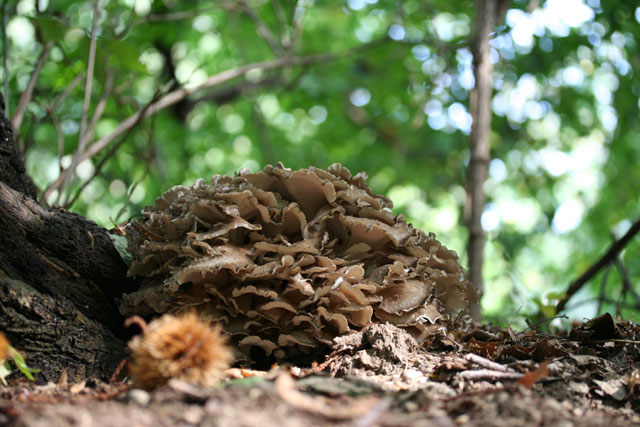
[[287, 260], [183, 347]]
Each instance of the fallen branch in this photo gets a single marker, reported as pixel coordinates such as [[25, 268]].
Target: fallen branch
[[605, 259]]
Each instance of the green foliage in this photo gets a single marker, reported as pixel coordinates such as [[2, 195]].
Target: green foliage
[[18, 360], [120, 243], [564, 175]]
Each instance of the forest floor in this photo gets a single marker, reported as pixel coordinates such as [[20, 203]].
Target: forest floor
[[381, 377]]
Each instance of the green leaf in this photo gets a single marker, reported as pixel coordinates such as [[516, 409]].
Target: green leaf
[[556, 296], [50, 28], [22, 365], [120, 243]]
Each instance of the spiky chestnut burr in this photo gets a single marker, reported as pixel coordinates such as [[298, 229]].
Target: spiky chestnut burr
[[182, 346]]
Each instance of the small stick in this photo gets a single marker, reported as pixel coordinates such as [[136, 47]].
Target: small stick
[[117, 371], [488, 374], [486, 363]]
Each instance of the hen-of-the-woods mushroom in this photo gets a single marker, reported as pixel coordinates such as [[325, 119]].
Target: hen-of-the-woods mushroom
[[287, 260]]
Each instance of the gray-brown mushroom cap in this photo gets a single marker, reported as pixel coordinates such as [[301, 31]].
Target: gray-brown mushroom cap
[[287, 260]]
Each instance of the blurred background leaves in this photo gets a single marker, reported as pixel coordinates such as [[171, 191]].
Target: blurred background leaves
[[564, 179]]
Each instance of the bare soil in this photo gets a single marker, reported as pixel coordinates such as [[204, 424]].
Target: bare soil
[[380, 377]]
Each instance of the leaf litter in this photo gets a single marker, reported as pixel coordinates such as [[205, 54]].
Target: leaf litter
[[380, 376]]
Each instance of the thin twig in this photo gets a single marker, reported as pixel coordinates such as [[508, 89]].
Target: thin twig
[[130, 192], [25, 97], [5, 54], [89, 81], [222, 77], [60, 134], [262, 29], [75, 160], [489, 374], [572, 306], [613, 251], [60, 99], [268, 154], [285, 40], [112, 151], [603, 286], [97, 114], [486, 363], [626, 282], [298, 20], [147, 169], [166, 17]]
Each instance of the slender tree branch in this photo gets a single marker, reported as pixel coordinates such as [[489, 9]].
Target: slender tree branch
[[25, 97], [150, 156], [166, 17], [56, 123], [87, 101], [603, 287], [214, 80], [97, 114], [610, 255], [5, 54], [89, 81], [285, 40], [268, 154], [627, 306], [298, 21], [112, 151], [224, 76], [627, 286], [61, 98], [262, 29]]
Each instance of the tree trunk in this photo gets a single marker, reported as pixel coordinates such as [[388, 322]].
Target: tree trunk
[[488, 14], [60, 276]]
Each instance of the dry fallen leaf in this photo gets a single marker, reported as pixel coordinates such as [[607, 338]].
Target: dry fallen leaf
[[532, 377], [319, 405]]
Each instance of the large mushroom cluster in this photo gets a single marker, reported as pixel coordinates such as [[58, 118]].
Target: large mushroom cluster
[[287, 260]]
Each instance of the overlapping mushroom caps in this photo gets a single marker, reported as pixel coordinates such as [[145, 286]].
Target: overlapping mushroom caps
[[286, 260]]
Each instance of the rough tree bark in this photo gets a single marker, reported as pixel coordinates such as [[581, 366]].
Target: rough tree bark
[[488, 14], [60, 276]]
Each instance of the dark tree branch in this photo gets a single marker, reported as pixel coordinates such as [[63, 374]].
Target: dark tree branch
[[605, 259]]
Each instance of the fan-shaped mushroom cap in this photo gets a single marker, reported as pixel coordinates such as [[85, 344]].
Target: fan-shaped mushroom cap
[[287, 260]]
